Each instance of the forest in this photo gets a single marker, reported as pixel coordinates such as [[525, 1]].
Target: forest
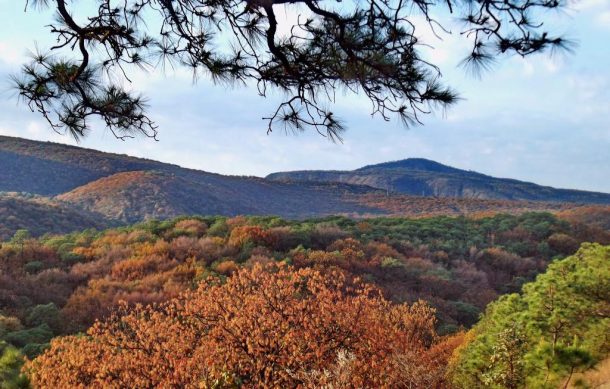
[[399, 273], [333, 302], [406, 273]]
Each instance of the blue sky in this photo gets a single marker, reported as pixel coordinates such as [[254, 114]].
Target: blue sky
[[542, 119]]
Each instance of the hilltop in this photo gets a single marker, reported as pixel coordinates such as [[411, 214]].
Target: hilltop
[[422, 177], [48, 168]]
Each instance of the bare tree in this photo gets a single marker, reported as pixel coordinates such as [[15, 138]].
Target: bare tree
[[363, 46]]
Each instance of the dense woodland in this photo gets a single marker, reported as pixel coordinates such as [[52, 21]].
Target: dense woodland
[[40, 215], [472, 300], [323, 295]]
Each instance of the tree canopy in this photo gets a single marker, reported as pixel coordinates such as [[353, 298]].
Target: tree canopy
[[56, 286], [369, 47], [557, 327], [272, 327]]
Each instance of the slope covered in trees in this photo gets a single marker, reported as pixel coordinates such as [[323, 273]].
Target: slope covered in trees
[[557, 327], [132, 197], [143, 195], [40, 215], [50, 169], [398, 205], [58, 285]]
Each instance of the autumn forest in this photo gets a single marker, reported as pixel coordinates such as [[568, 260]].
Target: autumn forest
[[333, 302], [337, 194]]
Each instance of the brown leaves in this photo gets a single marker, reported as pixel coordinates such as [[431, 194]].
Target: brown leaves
[[267, 326]]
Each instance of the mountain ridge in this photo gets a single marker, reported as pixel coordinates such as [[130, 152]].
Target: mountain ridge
[[109, 189], [423, 177], [101, 164]]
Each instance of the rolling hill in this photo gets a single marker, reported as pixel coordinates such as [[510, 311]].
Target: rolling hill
[[141, 195], [51, 168], [71, 188], [422, 177], [80, 176], [40, 215]]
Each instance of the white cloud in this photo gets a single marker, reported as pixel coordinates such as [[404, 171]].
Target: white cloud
[[11, 54], [603, 19], [289, 16], [588, 4]]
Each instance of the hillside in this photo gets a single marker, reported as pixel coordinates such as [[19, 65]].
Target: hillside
[[136, 196], [421, 177], [79, 185], [142, 195], [48, 168], [41, 215], [51, 169]]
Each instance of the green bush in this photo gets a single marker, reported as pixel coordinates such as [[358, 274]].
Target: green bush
[[44, 314], [33, 267], [11, 362], [37, 335]]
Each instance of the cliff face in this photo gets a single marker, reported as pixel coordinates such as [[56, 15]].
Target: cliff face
[[421, 177]]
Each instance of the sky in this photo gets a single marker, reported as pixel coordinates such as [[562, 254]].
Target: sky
[[543, 119]]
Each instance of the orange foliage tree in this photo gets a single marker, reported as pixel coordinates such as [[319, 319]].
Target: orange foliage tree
[[255, 234], [268, 326]]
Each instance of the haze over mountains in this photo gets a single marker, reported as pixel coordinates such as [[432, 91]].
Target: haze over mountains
[[88, 188]]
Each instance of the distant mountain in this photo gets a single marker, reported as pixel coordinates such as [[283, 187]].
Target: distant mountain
[[422, 177], [51, 168], [70, 188], [413, 164], [117, 187]]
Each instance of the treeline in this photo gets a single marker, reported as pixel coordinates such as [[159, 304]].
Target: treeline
[[59, 285]]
